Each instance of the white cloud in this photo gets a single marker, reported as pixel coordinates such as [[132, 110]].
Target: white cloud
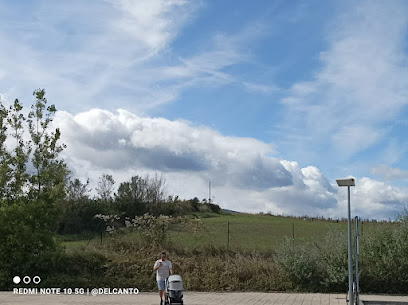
[[169, 146], [244, 174], [153, 23], [371, 198], [351, 139], [388, 173], [362, 83], [92, 55]]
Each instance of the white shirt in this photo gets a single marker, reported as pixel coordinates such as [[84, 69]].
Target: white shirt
[[164, 271]]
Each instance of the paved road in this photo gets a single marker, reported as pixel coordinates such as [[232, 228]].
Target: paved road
[[193, 298]]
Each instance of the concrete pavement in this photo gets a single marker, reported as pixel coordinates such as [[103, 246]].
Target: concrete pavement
[[194, 298]]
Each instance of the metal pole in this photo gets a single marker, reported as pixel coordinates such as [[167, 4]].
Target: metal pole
[[293, 235], [356, 263], [350, 258]]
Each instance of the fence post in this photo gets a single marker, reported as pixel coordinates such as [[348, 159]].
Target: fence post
[[357, 292], [293, 235], [228, 233]]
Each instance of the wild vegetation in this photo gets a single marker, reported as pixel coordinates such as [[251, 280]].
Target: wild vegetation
[[51, 225]]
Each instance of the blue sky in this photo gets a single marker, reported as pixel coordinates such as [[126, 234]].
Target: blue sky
[[270, 100]]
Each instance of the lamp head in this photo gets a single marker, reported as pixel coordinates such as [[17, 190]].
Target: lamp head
[[346, 182]]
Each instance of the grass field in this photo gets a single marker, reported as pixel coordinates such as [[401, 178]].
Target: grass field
[[246, 232], [259, 232], [250, 232]]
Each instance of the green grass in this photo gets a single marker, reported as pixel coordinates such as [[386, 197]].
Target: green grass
[[79, 242], [247, 232], [254, 232]]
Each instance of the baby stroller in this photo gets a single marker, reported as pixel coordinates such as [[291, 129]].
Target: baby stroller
[[174, 290]]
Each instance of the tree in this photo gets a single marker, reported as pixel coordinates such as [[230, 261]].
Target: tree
[[156, 190], [195, 202], [105, 187], [130, 198], [77, 191], [50, 172], [5, 170], [141, 195], [21, 152]]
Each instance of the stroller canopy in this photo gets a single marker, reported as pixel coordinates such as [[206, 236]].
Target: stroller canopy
[[175, 282]]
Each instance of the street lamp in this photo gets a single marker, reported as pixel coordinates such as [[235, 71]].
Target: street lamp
[[349, 182]]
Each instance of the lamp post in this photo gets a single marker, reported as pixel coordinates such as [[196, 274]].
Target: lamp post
[[349, 182]]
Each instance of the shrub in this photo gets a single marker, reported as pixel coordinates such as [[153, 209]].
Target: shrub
[[27, 246], [384, 259], [85, 269], [317, 266]]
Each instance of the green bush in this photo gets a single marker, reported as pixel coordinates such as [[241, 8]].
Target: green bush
[[85, 269], [27, 246], [318, 266], [323, 266], [384, 259]]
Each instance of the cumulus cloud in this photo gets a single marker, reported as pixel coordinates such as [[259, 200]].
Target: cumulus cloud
[[371, 198], [123, 140], [310, 194], [244, 173]]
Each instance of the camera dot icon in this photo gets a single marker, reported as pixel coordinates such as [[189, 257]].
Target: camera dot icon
[[36, 279], [16, 279], [27, 279]]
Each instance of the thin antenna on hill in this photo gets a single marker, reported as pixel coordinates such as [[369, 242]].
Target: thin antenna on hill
[[209, 192]]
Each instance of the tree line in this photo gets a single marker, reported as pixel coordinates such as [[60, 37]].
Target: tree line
[[136, 197]]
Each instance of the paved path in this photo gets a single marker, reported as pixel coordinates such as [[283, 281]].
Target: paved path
[[192, 298]]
